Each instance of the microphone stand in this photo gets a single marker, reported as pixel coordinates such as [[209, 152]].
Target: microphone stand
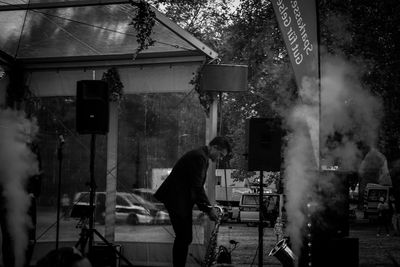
[[61, 142]]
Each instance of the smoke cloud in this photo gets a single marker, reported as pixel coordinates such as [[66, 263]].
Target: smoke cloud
[[350, 114], [17, 164], [301, 160]]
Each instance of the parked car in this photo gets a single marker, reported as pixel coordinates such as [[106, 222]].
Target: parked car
[[148, 194], [249, 208], [127, 209], [163, 217], [157, 210]]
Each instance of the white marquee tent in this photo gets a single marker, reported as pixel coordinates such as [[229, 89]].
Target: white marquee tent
[[57, 43]]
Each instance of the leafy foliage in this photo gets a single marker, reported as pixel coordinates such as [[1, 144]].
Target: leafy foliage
[[254, 39], [363, 31], [205, 19], [366, 32], [143, 22], [115, 85]]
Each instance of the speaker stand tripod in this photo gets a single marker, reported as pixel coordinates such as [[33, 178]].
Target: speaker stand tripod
[[87, 233], [86, 236]]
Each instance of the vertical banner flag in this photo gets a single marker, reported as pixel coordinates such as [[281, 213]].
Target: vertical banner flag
[[298, 24]]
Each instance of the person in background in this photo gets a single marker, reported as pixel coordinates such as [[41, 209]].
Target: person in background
[[373, 169], [65, 205], [395, 176], [278, 229], [184, 187], [383, 216], [396, 223], [394, 216], [264, 207]]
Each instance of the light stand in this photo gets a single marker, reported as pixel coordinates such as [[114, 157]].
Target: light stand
[[60, 157], [87, 234]]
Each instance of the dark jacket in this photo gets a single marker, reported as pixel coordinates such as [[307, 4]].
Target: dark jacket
[[184, 187], [395, 176]]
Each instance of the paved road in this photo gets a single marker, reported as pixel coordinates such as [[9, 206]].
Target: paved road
[[373, 250]]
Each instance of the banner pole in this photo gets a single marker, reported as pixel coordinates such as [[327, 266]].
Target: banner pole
[[319, 81]]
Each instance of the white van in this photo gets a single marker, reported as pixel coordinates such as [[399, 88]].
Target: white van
[[249, 208], [372, 193]]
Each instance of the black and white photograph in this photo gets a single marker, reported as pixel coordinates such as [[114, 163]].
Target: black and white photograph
[[226, 133]]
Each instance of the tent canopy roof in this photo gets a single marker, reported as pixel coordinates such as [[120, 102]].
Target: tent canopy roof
[[48, 30]]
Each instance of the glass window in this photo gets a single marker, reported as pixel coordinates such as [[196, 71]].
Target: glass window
[[154, 131], [250, 200], [122, 202], [218, 179], [375, 194]]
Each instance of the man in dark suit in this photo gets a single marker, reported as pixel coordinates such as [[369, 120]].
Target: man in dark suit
[[184, 187]]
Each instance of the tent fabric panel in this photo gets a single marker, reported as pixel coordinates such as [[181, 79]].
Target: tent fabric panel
[[146, 79], [159, 79]]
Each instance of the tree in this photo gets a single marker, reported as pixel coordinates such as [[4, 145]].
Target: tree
[[250, 36], [254, 39], [366, 32], [205, 19]]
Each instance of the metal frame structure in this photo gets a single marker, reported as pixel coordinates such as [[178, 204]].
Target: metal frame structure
[[161, 18], [54, 67]]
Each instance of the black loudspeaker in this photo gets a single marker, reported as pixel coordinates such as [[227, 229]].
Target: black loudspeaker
[[336, 252], [224, 78], [92, 107], [326, 242], [264, 141], [331, 220]]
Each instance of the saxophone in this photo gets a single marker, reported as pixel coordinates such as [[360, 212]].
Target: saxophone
[[211, 251]]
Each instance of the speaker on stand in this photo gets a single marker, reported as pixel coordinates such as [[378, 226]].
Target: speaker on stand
[[92, 107], [92, 117], [264, 139]]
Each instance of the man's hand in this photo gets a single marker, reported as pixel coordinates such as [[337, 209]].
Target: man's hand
[[213, 215]]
